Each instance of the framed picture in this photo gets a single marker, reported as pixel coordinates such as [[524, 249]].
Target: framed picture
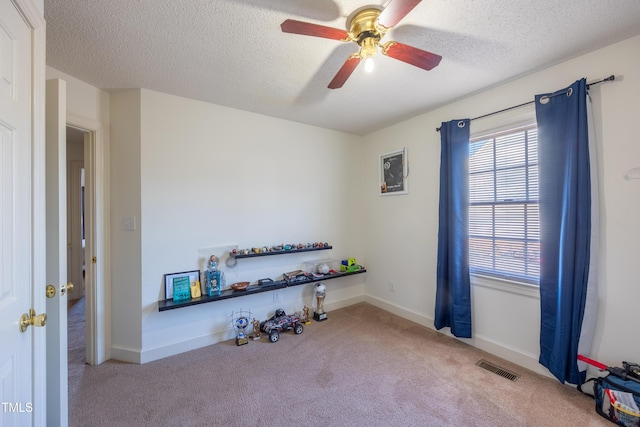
[[180, 279], [393, 173]]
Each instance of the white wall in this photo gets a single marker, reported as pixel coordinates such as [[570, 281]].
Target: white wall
[[209, 176], [401, 232], [126, 246], [198, 176]]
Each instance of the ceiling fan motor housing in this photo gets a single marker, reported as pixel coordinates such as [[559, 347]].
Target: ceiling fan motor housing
[[364, 31]]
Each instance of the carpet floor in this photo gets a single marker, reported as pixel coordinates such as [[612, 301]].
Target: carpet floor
[[361, 367]]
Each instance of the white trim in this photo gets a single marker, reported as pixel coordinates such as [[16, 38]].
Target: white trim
[[507, 352], [506, 285], [413, 316], [33, 17], [98, 306], [346, 302], [159, 352], [126, 354]]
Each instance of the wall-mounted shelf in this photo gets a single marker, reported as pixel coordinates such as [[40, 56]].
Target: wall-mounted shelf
[[282, 252], [253, 289]]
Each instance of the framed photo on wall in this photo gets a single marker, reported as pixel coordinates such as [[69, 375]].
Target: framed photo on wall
[[169, 280], [393, 173]]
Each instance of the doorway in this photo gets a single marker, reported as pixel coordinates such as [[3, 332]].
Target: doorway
[[95, 219], [77, 335]]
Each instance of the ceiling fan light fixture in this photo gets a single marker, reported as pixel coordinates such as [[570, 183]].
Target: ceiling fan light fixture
[[369, 64], [366, 27]]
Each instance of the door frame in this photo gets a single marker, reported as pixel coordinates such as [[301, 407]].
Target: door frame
[[97, 296]]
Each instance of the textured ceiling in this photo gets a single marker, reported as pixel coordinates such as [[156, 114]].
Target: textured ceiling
[[233, 53]]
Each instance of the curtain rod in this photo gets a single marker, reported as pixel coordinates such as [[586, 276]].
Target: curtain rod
[[607, 79]]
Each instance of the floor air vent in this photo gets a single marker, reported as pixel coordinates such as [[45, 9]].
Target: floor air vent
[[497, 370]]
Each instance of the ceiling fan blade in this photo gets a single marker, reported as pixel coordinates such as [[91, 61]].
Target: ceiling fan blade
[[344, 73], [395, 11], [308, 29], [411, 55]]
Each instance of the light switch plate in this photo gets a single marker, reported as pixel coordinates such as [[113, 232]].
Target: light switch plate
[[129, 223]]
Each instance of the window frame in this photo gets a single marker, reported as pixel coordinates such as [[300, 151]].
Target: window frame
[[489, 278]]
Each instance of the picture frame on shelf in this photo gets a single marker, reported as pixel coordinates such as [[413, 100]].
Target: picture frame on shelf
[[393, 173], [181, 278]]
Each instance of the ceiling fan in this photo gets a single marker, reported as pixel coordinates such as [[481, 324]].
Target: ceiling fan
[[366, 27]]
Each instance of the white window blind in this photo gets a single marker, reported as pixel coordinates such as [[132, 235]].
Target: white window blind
[[504, 224]]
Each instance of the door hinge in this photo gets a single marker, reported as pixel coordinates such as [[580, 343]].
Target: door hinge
[[94, 259]]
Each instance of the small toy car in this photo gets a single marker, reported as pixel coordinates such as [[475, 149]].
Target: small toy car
[[281, 322]]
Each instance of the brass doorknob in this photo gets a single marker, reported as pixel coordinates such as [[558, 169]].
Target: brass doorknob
[[66, 288], [51, 291], [32, 319]]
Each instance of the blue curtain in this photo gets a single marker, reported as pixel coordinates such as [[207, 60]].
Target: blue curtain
[[565, 226], [453, 293]]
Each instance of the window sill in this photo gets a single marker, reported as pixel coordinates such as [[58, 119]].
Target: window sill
[[504, 285]]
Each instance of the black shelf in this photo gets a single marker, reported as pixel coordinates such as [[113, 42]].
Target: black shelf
[[169, 304], [282, 252], [325, 277]]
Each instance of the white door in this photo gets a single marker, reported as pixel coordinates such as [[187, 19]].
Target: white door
[[16, 274], [56, 186]]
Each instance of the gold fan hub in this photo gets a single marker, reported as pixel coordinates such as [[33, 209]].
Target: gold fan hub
[[364, 21], [363, 30]]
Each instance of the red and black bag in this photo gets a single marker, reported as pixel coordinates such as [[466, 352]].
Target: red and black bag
[[617, 395]]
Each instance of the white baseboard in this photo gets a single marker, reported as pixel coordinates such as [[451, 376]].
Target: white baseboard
[[125, 354], [413, 316], [526, 360], [149, 355], [504, 351], [138, 356], [346, 302], [513, 355]]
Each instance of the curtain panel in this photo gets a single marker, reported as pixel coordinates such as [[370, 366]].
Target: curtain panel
[[453, 293], [565, 226]]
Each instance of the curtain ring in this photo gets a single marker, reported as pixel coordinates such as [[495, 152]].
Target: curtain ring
[[569, 92], [544, 100], [461, 124]]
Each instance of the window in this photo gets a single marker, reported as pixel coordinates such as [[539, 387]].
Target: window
[[504, 224]]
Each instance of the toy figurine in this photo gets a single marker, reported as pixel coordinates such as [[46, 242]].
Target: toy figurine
[[213, 283], [255, 334], [305, 315]]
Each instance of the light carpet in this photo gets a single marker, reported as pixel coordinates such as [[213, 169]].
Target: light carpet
[[361, 367]]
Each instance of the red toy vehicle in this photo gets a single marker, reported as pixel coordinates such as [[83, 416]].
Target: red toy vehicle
[[281, 322]]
